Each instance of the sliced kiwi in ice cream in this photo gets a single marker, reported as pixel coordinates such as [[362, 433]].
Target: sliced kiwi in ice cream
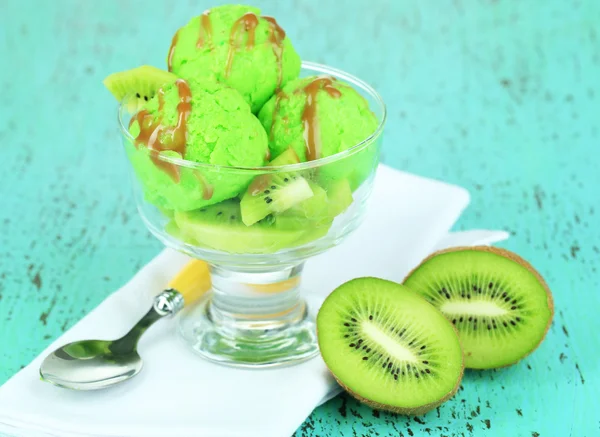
[[313, 208], [220, 227], [277, 192], [499, 303], [294, 196], [273, 193], [339, 197], [319, 210], [138, 84]]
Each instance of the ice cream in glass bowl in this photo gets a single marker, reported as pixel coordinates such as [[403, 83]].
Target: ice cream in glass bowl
[[254, 162]]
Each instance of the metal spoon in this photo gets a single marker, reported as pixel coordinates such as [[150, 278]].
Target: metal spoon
[[96, 364]]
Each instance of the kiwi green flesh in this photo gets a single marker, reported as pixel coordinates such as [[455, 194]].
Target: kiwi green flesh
[[288, 193], [138, 84], [500, 307], [314, 207], [219, 227], [289, 200], [286, 158], [388, 346], [339, 195], [280, 193], [325, 204]]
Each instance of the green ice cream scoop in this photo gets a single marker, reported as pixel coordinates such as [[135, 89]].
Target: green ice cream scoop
[[319, 116], [235, 45], [200, 121]]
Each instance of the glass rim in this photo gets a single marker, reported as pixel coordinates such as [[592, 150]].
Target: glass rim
[[321, 68]]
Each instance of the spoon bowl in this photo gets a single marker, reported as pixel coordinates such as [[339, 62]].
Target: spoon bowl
[[96, 364], [89, 365]]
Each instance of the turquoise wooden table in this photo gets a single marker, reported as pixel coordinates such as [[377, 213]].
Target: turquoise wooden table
[[501, 97]]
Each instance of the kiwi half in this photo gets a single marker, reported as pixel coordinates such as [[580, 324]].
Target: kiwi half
[[140, 84], [389, 347], [499, 303]]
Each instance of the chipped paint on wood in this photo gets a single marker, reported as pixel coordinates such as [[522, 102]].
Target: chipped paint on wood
[[501, 97]]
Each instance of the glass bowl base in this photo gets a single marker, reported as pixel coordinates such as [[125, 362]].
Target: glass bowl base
[[252, 342]]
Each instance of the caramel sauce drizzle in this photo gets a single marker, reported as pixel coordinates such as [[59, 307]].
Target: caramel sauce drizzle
[[276, 37], [158, 138], [152, 131], [207, 189], [310, 118], [247, 23], [205, 35], [278, 97], [172, 50], [259, 184]]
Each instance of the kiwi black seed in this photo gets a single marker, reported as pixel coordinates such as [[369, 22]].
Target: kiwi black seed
[[389, 347], [508, 317]]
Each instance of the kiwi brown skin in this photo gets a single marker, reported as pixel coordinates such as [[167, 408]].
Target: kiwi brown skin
[[513, 257], [416, 411]]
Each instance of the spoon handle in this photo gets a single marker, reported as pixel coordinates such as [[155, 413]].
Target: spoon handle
[[192, 282]]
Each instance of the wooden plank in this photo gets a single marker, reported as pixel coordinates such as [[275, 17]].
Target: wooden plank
[[501, 97]]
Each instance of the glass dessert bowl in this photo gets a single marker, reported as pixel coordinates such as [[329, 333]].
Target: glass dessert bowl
[[256, 226]]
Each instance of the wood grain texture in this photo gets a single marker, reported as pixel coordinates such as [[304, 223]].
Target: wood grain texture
[[499, 96]]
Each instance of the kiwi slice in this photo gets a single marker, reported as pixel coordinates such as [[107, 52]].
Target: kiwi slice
[[389, 347], [140, 83], [313, 230], [278, 193], [314, 207], [319, 210], [499, 303], [220, 227], [339, 197], [275, 192]]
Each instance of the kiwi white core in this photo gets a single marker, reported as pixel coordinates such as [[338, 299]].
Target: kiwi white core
[[475, 307], [389, 344], [497, 302]]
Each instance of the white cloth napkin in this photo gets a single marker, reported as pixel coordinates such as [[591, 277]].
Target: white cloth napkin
[[178, 394]]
